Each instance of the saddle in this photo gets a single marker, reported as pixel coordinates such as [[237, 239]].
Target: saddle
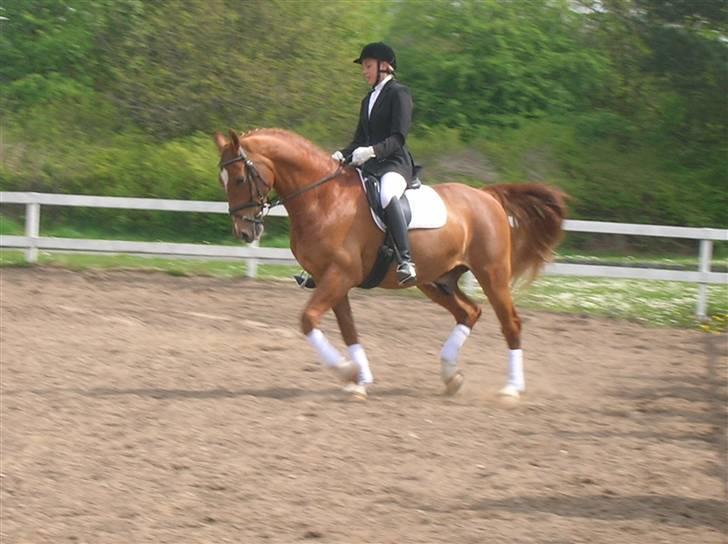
[[386, 253]]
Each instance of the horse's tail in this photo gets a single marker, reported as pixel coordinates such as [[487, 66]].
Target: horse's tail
[[536, 213]]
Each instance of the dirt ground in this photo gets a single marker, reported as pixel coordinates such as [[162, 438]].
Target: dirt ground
[[146, 408]]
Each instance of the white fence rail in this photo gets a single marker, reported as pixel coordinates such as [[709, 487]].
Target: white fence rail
[[32, 241]]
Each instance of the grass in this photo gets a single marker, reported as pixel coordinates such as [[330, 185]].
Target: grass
[[655, 303], [651, 302], [719, 260], [613, 258]]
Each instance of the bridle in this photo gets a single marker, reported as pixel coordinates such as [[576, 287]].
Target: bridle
[[260, 200], [253, 177]]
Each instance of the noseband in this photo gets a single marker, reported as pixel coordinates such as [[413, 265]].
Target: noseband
[[260, 200]]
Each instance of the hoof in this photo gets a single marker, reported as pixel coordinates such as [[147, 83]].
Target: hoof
[[346, 371], [454, 383], [356, 390], [510, 391], [451, 376]]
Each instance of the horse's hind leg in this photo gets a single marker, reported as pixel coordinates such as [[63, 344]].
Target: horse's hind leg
[[356, 350], [495, 281], [447, 294]]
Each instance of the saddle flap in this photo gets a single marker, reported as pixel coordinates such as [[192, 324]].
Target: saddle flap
[[423, 207], [371, 185]]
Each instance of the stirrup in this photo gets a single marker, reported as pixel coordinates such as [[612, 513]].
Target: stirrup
[[406, 272]]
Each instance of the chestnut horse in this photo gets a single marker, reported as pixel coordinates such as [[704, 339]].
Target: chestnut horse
[[500, 233]]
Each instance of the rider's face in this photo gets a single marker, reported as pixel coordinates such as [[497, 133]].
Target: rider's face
[[369, 70]]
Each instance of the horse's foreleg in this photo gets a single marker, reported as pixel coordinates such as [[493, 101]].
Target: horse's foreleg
[[356, 350], [495, 281], [466, 314], [331, 290]]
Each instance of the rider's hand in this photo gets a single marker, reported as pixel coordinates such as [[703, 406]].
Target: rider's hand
[[338, 156], [362, 155]]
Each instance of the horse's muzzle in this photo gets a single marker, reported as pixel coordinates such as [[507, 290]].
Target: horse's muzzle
[[249, 232]]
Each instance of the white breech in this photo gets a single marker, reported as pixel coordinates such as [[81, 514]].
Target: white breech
[[392, 185]]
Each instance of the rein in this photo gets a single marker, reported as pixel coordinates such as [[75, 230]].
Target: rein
[[261, 199]]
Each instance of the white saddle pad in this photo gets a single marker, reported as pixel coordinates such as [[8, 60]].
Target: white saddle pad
[[428, 209]]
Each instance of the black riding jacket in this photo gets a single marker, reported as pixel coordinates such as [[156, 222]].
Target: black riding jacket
[[386, 131]]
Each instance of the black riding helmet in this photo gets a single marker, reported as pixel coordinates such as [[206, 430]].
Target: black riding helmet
[[378, 51]]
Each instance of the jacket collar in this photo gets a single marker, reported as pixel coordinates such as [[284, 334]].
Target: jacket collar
[[386, 85], [379, 86]]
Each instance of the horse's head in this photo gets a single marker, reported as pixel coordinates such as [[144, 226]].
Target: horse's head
[[247, 179]]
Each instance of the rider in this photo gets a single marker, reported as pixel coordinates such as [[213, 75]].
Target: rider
[[379, 144]]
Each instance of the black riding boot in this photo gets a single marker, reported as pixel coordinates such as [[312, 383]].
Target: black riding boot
[[398, 227]]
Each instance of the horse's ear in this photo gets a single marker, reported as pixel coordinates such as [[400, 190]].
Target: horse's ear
[[234, 138], [220, 141]]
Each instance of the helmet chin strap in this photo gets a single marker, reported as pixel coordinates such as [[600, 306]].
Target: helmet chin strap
[[379, 73]]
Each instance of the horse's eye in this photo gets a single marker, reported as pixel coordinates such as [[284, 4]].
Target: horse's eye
[[240, 180]]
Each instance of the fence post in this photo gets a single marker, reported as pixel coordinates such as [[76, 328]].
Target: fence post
[[32, 228], [706, 254], [251, 265]]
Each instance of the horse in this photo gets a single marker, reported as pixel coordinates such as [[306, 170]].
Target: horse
[[501, 233]]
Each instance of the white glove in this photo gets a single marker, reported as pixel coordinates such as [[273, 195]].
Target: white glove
[[362, 155], [338, 156]]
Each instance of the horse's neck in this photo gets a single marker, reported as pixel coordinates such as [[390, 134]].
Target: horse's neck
[[295, 173], [303, 201], [306, 207]]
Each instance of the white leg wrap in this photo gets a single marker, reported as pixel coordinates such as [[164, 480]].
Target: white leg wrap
[[328, 353], [451, 348], [515, 370], [359, 357]]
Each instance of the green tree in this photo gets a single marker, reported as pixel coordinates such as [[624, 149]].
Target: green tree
[[491, 62], [47, 51], [186, 66]]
